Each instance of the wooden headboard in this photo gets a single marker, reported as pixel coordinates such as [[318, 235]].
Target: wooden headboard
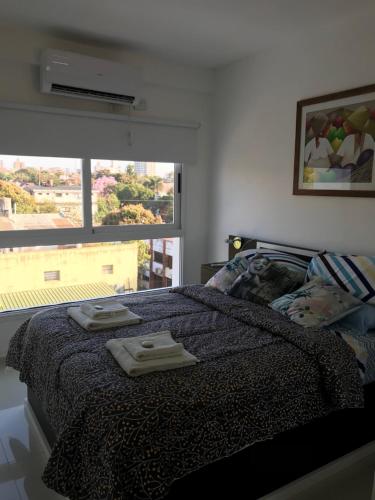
[[249, 243]]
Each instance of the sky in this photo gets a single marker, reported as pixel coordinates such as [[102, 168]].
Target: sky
[[70, 163]]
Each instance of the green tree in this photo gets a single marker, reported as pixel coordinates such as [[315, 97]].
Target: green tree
[[106, 205], [26, 175], [47, 207], [131, 214], [25, 202], [166, 207], [129, 177], [134, 191], [153, 182], [144, 255]]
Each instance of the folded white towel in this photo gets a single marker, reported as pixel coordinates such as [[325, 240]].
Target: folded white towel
[[129, 318], [135, 368], [153, 346], [105, 309]]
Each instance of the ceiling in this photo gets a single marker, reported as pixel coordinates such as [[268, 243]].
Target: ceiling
[[206, 33]]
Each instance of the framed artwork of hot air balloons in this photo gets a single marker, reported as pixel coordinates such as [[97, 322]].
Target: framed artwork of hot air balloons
[[335, 144]]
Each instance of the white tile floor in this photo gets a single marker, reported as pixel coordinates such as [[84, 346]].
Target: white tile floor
[[23, 457], [22, 454]]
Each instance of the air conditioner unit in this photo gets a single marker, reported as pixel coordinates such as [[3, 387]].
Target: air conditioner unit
[[76, 75]]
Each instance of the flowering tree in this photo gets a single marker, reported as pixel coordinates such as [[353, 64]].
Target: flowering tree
[[104, 184], [131, 214]]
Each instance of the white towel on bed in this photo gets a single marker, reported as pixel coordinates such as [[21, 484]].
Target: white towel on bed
[[135, 368], [128, 318], [107, 309], [163, 345]]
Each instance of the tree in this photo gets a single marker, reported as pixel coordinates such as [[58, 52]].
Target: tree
[[26, 175], [25, 202], [47, 207], [131, 214], [130, 171], [104, 184], [153, 182], [129, 177], [166, 207], [106, 205], [134, 191], [5, 176]]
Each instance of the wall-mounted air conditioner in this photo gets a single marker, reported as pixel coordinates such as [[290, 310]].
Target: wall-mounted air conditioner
[[76, 75]]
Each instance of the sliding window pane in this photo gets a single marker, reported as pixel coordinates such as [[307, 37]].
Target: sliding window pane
[[69, 273], [40, 192], [132, 192]]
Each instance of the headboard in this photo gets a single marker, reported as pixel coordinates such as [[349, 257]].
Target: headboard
[[250, 243]]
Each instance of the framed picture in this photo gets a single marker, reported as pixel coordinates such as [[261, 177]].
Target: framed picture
[[335, 142]]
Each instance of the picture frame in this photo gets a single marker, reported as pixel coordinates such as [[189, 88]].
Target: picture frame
[[335, 144]]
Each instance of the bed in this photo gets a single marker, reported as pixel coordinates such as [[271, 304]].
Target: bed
[[262, 392]]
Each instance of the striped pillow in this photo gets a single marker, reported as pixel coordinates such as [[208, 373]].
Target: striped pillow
[[290, 261], [354, 274]]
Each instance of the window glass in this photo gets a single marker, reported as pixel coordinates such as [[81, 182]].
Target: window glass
[[36, 276], [128, 192], [40, 192]]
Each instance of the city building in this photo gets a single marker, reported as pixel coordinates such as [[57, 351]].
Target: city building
[[68, 199], [42, 276], [163, 269]]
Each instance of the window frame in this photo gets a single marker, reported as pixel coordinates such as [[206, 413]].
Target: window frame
[[89, 233]]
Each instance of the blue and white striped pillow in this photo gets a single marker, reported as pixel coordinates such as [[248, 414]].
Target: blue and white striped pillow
[[354, 274], [292, 262]]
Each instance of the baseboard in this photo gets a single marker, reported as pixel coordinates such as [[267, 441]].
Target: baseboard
[[322, 474]]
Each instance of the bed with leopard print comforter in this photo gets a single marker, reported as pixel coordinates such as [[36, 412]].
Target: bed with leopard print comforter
[[131, 438]]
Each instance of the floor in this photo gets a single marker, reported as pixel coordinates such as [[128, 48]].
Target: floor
[[23, 457], [22, 454]]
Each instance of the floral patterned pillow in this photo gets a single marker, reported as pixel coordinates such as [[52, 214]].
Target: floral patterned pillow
[[316, 304], [224, 278]]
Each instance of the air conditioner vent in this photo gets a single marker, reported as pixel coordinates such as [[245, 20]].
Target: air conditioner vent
[[96, 94]]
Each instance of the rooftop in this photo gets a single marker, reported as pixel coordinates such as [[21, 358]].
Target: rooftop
[[53, 295], [34, 221]]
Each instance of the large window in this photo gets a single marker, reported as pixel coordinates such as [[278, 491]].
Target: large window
[[78, 228]]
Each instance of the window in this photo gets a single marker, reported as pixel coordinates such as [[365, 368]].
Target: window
[[87, 271], [30, 192], [133, 192], [51, 275], [107, 269], [50, 205]]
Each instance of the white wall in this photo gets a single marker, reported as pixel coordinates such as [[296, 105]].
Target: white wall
[[171, 91], [253, 144]]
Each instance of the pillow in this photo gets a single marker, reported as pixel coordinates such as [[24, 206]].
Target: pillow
[[290, 261], [361, 320], [264, 280], [354, 274], [224, 278], [361, 353], [316, 304]]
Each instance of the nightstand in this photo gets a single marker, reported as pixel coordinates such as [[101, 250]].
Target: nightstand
[[208, 270]]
